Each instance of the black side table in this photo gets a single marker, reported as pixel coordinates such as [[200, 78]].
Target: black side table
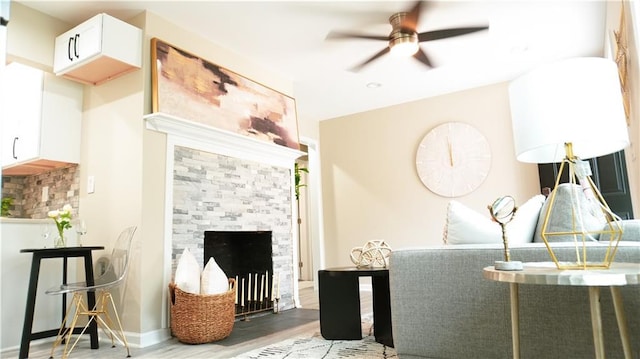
[[339, 292], [65, 253]]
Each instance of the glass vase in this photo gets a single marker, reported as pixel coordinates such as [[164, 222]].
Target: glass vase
[[60, 241]]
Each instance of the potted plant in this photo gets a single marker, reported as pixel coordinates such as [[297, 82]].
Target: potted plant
[[7, 202], [298, 178]]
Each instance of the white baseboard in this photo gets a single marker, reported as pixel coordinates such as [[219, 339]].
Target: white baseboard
[[136, 340], [142, 340]]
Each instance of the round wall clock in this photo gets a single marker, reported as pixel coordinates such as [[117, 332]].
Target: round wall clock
[[453, 159]]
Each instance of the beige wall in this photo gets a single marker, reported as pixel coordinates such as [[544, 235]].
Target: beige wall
[[111, 146], [632, 30], [370, 185], [632, 153], [127, 161], [39, 29], [155, 151], [371, 188]]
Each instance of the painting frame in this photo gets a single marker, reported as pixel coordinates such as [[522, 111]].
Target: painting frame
[[189, 87]]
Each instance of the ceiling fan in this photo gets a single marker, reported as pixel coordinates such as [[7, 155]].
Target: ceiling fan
[[404, 38]]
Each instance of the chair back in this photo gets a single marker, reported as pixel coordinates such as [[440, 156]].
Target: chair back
[[118, 265]]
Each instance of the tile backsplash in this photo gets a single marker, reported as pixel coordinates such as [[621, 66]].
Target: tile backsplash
[[63, 186]]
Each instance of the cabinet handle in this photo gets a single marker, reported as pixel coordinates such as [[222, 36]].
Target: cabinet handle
[[76, 46], [69, 48], [15, 139]]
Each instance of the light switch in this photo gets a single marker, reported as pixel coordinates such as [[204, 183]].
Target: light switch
[[91, 184], [45, 193]]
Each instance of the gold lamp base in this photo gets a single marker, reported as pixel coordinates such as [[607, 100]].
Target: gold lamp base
[[610, 235]]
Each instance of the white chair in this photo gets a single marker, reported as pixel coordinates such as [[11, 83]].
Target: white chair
[[114, 275]]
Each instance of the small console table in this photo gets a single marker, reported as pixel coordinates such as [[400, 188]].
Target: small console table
[[38, 255], [339, 292], [619, 274]]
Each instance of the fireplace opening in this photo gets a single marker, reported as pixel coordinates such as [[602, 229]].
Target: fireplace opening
[[246, 256]]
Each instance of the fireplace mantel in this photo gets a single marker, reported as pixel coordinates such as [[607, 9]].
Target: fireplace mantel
[[221, 141]]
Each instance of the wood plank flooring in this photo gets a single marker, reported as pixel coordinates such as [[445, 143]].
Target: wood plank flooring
[[246, 335]]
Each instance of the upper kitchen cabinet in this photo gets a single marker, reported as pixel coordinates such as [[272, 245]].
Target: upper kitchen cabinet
[[98, 50], [41, 118]]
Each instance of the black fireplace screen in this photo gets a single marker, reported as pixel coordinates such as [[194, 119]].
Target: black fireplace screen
[[246, 256]]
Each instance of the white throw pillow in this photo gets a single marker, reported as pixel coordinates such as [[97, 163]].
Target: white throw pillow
[[213, 279], [188, 273], [466, 226], [523, 226]]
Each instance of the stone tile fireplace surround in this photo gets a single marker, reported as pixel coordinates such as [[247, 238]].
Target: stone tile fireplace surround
[[221, 181]]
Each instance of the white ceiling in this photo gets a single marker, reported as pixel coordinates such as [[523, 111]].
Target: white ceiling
[[288, 37]]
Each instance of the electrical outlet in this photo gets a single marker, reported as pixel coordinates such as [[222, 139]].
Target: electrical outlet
[[45, 193], [91, 184]]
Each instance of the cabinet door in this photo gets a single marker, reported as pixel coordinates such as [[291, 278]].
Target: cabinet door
[[60, 127], [22, 108], [78, 44], [9, 126]]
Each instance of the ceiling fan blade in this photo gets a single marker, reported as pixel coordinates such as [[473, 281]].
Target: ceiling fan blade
[[422, 57], [360, 66], [412, 19], [347, 35], [446, 33]]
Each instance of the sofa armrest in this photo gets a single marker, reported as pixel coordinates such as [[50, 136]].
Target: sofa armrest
[[631, 230]]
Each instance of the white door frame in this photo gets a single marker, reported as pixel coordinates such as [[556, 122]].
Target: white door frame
[[315, 221]]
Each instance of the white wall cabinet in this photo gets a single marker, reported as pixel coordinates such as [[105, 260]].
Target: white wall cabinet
[[98, 50], [41, 120]]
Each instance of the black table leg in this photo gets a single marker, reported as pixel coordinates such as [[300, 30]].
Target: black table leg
[[382, 310], [64, 281], [91, 299], [339, 296], [31, 303]]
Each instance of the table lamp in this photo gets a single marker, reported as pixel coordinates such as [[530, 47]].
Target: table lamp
[[565, 112]]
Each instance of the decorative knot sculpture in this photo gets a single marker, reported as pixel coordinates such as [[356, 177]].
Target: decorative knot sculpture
[[374, 253]]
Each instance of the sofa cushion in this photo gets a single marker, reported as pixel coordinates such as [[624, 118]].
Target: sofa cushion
[[630, 230], [587, 215], [466, 226]]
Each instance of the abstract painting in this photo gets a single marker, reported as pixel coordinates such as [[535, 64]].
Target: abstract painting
[[191, 88]]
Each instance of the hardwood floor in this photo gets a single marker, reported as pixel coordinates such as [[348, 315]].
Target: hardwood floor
[[246, 335]]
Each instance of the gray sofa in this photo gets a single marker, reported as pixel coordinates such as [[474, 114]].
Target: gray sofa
[[442, 307]]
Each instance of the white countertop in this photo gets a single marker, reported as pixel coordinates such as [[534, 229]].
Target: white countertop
[[24, 220]]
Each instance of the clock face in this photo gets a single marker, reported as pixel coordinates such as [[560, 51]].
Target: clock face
[[453, 159]]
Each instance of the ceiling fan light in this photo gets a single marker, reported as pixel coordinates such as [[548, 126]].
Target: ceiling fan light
[[404, 46]]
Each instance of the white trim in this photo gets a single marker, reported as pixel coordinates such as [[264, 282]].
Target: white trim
[[200, 136], [146, 339], [314, 202], [135, 340], [168, 226]]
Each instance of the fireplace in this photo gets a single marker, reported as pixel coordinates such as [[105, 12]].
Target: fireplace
[[247, 257], [227, 195], [222, 181]]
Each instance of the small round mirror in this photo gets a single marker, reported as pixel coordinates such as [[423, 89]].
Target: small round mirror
[[503, 209]]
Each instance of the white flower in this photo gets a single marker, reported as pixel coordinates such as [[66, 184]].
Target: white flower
[[62, 217]]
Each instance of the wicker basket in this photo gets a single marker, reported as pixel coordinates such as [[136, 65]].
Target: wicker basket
[[197, 319]]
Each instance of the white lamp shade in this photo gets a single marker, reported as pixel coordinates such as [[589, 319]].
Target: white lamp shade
[[576, 100]]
